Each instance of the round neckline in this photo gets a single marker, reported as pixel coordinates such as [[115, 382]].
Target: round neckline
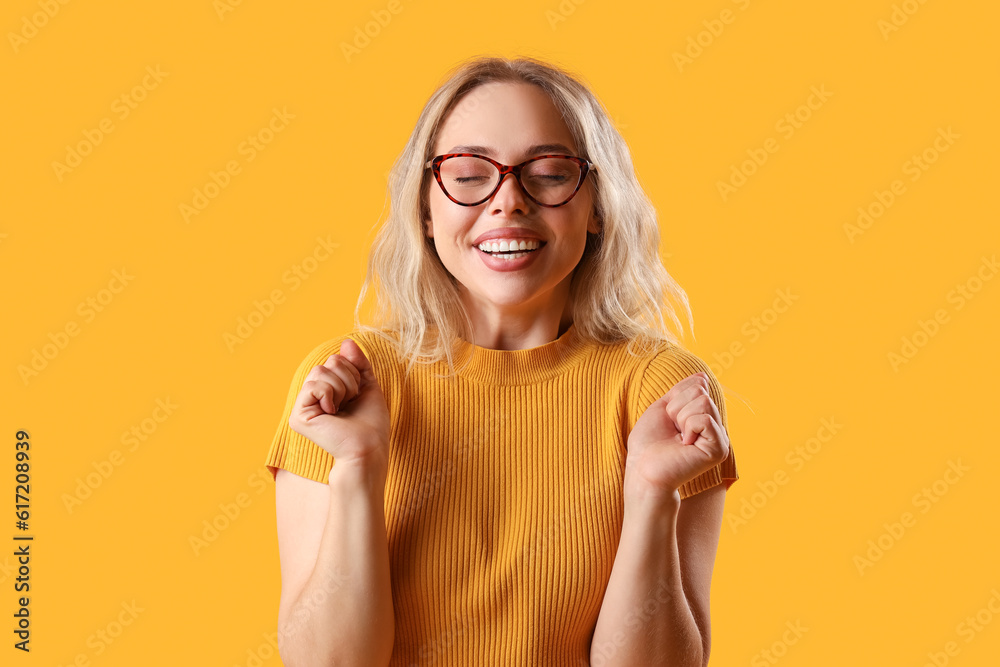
[[515, 367]]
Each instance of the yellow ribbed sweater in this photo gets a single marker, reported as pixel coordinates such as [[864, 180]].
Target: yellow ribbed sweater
[[503, 499]]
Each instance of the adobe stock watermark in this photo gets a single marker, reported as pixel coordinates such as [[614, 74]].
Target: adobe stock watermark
[[752, 330], [363, 35], [786, 126], [422, 490], [88, 309], [797, 458], [696, 44], [248, 149], [264, 308], [432, 650], [223, 7], [922, 501], [229, 512], [914, 167], [30, 25], [900, 14], [779, 649], [264, 651], [960, 295], [636, 620], [537, 543], [104, 468], [104, 637], [471, 103], [122, 106], [332, 581], [563, 11], [967, 629]]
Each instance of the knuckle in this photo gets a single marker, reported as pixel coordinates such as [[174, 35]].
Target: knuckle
[[337, 368], [317, 372], [339, 361]]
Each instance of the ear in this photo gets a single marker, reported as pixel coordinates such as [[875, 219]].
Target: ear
[[594, 225], [428, 229]]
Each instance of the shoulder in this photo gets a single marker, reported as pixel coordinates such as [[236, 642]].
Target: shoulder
[[375, 347], [381, 349], [672, 364], [662, 369], [379, 352]]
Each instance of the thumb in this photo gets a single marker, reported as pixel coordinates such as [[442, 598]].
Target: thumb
[[370, 399], [353, 353]]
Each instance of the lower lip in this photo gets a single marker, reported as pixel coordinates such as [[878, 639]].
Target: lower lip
[[501, 264]]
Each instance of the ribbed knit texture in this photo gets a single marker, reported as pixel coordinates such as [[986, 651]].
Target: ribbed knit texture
[[504, 491]]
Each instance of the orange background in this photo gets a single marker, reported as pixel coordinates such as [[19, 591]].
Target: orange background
[[809, 303]]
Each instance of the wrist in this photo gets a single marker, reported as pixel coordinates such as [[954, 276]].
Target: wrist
[[640, 490], [650, 503], [368, 470]]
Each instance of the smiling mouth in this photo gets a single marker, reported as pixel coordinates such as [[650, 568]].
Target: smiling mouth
[[511, 254]]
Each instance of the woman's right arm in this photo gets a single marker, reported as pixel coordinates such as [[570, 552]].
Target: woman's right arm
[[336, 601], [336, 597]]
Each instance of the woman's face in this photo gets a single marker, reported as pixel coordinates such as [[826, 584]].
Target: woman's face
[[509, 122]]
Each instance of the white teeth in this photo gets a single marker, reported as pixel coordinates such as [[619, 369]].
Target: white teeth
[[507, 245]]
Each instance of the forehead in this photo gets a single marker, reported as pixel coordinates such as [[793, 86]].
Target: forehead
[[506, 118]]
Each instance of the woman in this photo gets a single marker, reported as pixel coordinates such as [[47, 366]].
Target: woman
[[529, 468]]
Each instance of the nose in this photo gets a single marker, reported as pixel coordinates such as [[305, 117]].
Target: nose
[[510, 197]]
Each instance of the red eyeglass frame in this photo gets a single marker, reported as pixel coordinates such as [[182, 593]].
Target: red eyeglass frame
[[586, 166]]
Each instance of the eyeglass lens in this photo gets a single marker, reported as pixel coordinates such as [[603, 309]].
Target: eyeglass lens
[[549, 180]]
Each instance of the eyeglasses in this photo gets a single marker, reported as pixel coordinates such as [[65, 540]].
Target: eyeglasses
[[548, 180]]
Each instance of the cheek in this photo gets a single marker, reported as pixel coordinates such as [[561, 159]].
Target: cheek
[[451, 223], [573, 225], [440, 207], [439, 217]]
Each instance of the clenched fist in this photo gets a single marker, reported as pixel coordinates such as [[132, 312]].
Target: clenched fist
[[676, 439], [343, 410]]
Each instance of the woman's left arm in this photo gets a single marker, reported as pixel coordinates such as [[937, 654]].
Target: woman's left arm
[[655, 609], [656, 606]]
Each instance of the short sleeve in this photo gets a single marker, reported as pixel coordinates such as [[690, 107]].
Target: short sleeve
[[665, 369], [293, 451]]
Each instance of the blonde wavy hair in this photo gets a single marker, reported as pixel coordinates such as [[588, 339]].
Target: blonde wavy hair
[[620, 290]]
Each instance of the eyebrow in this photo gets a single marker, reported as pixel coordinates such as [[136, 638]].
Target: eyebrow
[[537, 149]]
